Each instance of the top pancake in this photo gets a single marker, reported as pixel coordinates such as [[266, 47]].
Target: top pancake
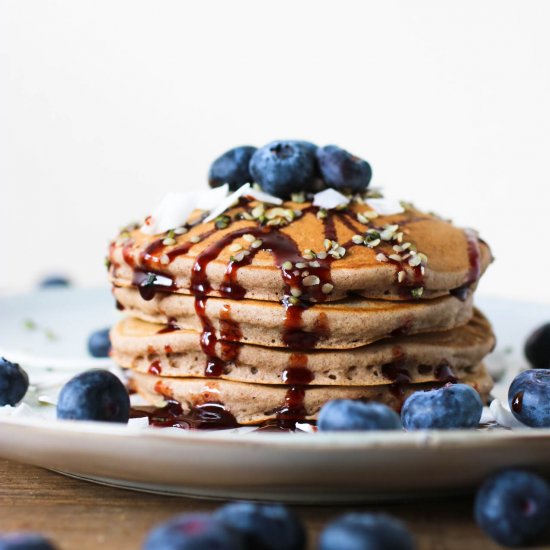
[[455, 258]]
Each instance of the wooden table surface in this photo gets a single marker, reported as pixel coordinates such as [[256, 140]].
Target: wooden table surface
[[80, 515]]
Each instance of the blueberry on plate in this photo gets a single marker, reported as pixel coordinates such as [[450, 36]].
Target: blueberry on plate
[[25, 541], [14, 383], [194, 532], [537, 348], [342, 170], [264, 526], [232, 168], [284, 167], [54, 281], [513, 507], [453, 406], [353, 415], [366, 532], [529, 398], [99, 343], [94, 395]]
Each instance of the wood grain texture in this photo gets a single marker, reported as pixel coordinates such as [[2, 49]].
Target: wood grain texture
[[84, 516]]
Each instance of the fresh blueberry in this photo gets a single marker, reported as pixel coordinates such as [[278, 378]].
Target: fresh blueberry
[[513, 507], [450, 407], [232, 168], [366, 532], [264, 526], [529, 398], [14, 383], [349, 415], [54, 281], [25, 541], [94, 395], [342, 170], [194, 532], [284, 167], [99, 343], [537, 348]]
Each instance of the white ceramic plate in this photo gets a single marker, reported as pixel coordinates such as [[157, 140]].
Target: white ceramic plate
[[293, 467]]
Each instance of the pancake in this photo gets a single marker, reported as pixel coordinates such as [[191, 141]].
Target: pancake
[[422, 358], [200, 260], [351, 323], [255, 403]]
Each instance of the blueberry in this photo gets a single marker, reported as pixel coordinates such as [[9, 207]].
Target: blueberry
[[342, 170], [513, 507], [14, 383], [99, 343], [366, 532], [194, 532], [450, 407], [94, 395], [529, 398], [284, 167], [537, 348], [54, 281], [264, 526], [25, 541], [232, 168], [347, 415]]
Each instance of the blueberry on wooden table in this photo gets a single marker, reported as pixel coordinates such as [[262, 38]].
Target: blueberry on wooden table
[[14, 383], [284, 167], [232, 168], [264, 526], [537, 348], [453, 406], [529, 398], [353, 415], [25, 541], [513, 507], [194, 532], [99, 343], [94, 395], [366, 531], [342, 170]]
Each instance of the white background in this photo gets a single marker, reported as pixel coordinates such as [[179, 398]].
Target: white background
[[107, 105]]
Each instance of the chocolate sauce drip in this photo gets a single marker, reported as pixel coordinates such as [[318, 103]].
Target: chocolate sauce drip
[[119, 306], [445, 374], [293, 409], [297, 372], [170, 327], [474, 257], [210, 416]]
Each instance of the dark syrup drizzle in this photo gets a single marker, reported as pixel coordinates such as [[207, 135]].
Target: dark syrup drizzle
[[210, 416], [474, 271]]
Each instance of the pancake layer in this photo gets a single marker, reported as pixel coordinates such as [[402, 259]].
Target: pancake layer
[[255, 403], [454, 258], [336, 325], [430, 357]]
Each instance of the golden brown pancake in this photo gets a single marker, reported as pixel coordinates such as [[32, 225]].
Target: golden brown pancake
[[346, 324], [422, 358], [255, 403], [201, 258]]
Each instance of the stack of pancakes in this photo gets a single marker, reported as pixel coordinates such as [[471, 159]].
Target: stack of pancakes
[[268, 312]]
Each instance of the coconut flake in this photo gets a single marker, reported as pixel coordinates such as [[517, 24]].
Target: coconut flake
[[329, 198], [231, 200], [385, 207], [174, 210]]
